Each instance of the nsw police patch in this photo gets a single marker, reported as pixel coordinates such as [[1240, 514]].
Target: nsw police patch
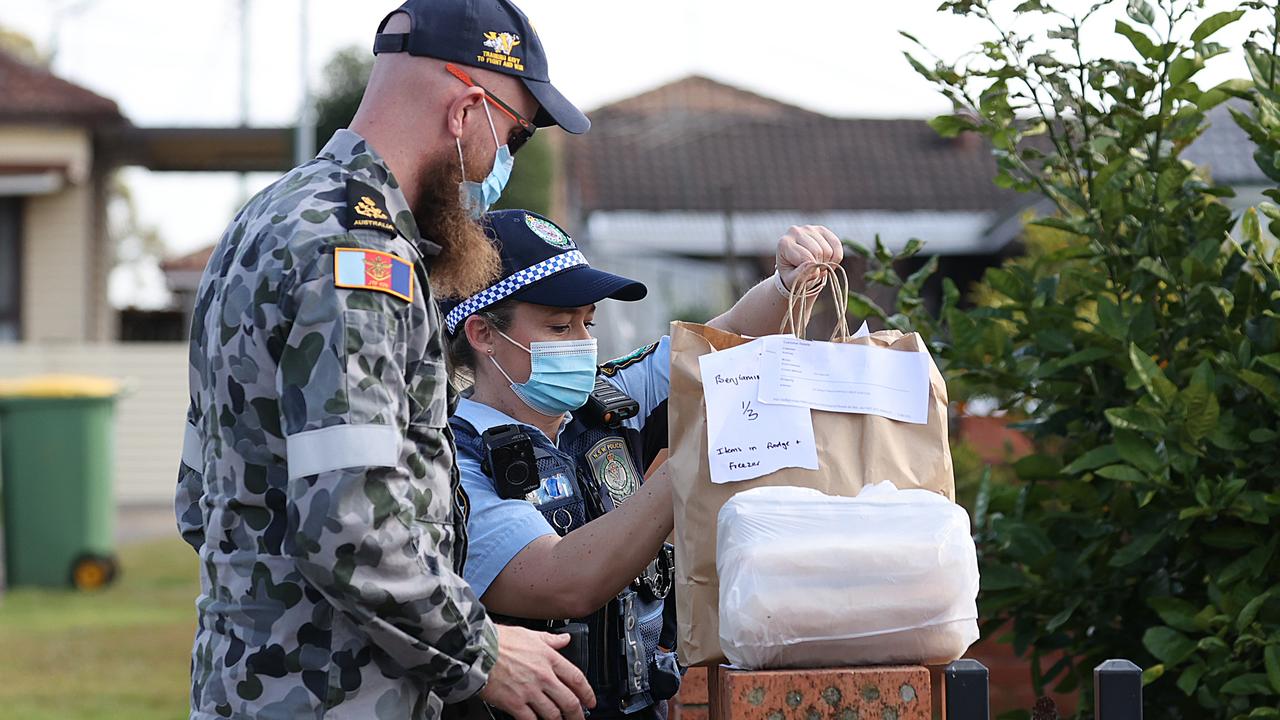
[[612, 367], [551, 234], [612, 467]]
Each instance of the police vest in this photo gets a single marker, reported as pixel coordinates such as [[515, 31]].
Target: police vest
[[596, 470]]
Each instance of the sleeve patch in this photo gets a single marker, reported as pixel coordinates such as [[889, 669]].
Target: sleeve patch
[[361, 269], [367, 209], [612, 367]]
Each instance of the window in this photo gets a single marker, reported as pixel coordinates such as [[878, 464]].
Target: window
[[10, 269]]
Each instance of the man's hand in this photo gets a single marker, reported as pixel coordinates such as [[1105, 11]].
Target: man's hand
[[532, 680], [802, 247]]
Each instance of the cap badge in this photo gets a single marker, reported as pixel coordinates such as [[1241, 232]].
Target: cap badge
[[553, 235], [500, 45]]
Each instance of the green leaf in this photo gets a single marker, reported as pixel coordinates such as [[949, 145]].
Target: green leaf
[[1168, 645], [1250, 232], [1123, 473], [1271, 659], [1214, 23], [1135, 550], [1152, 674], [1155, 267], [1250, 611], [1249, 684], [1222, 92], [1189, 680], [1141, 11], [1140, 41], [1175, 612], [1263, 384], [1201, 403], [1272, 360], [1095, 458], [1033, 467], [1062, 617], [861, 306], [1133, 419], [1136, 451], [1153, 378], [949, 126]]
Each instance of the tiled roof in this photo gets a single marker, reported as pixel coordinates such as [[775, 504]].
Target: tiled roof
[[33, 94], [697, 144], [194, 261], [1225, 150]]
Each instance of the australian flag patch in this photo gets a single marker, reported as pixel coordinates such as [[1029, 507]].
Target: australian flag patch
[[362, 269]]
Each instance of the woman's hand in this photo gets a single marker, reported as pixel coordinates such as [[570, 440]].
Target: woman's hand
[[804, 246]]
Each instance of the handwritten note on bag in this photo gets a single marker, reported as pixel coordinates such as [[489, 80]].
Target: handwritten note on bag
[[845, 378], [747, 438]]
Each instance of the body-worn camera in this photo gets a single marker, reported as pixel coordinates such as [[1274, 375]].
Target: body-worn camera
[[608, 405], [508, 459]]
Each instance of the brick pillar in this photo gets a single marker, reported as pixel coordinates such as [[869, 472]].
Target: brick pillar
[[691, 703], [866, 693]]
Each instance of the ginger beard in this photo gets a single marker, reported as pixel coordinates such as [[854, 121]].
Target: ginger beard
[[468, 261]]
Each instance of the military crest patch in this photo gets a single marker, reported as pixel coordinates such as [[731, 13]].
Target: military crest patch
[[613, 468], [367, 209], [361, 269], [549, 233]]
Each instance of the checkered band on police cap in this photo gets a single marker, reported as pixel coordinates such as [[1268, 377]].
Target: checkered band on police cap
[[511, 285]]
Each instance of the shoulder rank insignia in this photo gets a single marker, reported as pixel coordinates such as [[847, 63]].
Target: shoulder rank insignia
[[612, 367], [612, 467], [367, 209], [362, 269]]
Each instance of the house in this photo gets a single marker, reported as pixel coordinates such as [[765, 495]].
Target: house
[[54, 254], [688, 187], [60, 145]]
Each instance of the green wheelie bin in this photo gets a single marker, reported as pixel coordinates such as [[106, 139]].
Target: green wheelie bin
[[56, 463]]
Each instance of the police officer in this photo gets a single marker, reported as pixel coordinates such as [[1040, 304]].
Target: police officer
[[582, 537], [318, 482]]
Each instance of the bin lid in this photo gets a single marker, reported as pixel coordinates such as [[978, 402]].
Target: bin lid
[[59, 386]]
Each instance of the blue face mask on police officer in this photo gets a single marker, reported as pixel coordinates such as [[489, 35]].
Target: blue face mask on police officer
[[477, 197], [563, 375]]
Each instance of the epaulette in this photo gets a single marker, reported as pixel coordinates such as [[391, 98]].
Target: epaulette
[[367, 209]]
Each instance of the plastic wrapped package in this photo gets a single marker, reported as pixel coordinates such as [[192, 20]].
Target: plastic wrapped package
[[812, 580]]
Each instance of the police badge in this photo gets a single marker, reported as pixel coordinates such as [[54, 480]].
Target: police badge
[[613, 468]]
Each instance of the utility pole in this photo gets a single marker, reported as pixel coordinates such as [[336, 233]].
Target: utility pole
[[730, 249], [304, 143], [244, 87]]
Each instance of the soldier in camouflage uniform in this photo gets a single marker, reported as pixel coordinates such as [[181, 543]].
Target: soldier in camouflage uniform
[[318, 480]]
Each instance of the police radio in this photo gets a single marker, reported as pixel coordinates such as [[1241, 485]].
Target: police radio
[[508, 459], [608, 405]]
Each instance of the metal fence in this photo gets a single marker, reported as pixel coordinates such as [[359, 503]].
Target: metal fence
[[1117, 686]]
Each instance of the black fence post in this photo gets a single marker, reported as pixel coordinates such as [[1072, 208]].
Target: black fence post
[[967, 693], [1117, 691]]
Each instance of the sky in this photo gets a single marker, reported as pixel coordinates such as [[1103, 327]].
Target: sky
[[178, 64]]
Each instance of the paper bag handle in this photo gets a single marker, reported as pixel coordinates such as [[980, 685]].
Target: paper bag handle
[[805, 292]]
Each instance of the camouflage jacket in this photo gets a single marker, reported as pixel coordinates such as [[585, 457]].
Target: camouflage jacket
[[318, 482]]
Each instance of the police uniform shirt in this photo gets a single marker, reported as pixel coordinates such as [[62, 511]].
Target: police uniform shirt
[[499, 529]]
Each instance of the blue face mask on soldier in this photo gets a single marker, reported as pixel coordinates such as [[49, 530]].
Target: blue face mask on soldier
[[477, 197], [562, 378]]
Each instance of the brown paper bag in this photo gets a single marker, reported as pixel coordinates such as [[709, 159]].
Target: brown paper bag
[[853, 450]]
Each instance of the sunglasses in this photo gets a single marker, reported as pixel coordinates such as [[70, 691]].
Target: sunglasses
[[523, 130]]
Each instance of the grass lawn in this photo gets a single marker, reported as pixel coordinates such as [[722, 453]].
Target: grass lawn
[[118, 653]]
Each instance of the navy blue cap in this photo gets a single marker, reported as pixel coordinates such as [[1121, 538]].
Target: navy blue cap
[[490, 34], [541, 265]]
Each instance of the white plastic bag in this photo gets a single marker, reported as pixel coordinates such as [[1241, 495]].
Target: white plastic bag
[[812, 580]]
